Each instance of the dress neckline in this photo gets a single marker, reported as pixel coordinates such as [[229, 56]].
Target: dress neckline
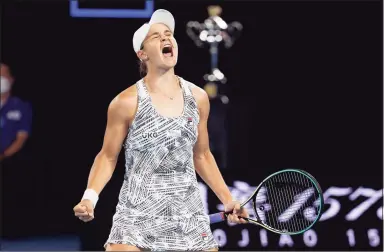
[[181, 81]]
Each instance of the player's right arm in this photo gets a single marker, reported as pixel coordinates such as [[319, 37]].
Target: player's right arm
[[121, 112]]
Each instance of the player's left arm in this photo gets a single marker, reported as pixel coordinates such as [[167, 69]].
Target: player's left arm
[[205, 163]]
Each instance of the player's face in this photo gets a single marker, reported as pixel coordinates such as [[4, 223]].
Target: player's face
[[160, 47]]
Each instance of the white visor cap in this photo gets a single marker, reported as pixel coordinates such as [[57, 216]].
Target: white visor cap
[[159, 16]]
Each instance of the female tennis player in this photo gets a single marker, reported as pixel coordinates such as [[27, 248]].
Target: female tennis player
[[162, 123]]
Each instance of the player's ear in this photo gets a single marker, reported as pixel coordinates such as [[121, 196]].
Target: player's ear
[[142, 55]]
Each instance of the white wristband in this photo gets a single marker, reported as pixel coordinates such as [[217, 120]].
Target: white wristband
[[91, 195]]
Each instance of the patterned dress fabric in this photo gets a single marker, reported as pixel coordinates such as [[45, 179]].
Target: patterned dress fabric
[[160, 207]]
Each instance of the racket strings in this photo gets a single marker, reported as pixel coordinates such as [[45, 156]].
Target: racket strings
[[289, 202]]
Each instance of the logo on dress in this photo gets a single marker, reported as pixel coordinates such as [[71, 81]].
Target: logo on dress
[[204, 236], [149, 135], [190, 122]]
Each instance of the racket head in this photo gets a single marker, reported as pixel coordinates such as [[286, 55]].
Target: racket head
[[289, 202]]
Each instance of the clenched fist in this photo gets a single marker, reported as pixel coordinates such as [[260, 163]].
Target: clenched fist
[[237, 212], [84, 210]]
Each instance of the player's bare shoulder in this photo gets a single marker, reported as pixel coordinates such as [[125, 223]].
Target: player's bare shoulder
[[124, 105]]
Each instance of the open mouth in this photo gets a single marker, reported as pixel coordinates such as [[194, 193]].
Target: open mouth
[[167, 51]]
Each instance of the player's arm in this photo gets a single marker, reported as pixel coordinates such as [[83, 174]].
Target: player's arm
[[120, 113], [205, 163]]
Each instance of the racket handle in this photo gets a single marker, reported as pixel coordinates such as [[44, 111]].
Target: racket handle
[[217, 217]]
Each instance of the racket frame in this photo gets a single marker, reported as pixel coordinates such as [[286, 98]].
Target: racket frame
[[259, 222]]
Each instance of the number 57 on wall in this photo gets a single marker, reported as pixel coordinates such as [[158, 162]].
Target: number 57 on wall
[[334, 205]]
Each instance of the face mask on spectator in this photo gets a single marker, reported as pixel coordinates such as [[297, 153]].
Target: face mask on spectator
[[5, 85]]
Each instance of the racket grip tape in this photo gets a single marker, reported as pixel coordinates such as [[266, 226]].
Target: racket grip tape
[[217, 217]]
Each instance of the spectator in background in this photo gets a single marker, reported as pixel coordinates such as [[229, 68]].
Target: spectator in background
[[15, 117], [15, 127]]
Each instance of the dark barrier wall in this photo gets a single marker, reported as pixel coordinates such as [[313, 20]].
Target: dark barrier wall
[[305, 90]]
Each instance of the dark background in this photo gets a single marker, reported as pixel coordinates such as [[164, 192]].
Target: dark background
[[304, 83]]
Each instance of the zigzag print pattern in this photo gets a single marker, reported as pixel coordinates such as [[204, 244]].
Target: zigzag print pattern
[[160, 206]]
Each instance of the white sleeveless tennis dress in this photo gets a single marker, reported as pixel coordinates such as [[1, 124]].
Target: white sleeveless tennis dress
[[160, 207]]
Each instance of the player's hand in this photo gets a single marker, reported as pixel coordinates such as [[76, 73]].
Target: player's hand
[[237, 212], [84, 210]]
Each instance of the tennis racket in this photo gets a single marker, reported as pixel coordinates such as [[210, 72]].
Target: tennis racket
[[287, 202]]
